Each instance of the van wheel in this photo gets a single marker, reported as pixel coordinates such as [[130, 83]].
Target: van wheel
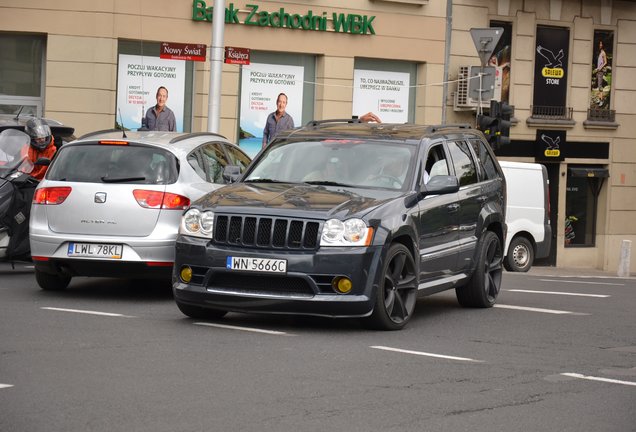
[[520, 255], [51, 282], [197, 312], [483, 288], [396, 296]]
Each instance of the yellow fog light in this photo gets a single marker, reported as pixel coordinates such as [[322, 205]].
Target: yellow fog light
[[342, 284], [186, 274]]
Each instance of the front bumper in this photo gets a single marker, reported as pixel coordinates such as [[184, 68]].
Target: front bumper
[[305, 289]]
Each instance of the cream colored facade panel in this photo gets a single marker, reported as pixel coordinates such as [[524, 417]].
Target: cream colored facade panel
[[624, 99], [523, 72], [627, 127], [625, 55], [523, 48], [526, 24], [624, 79], [81, 75], [579, 97], [81, 49], [79, 101], [464, 46], [335, 67], [624, 198], [622, 222], [626, 32], [581, 52], [624, 149], [466, 17], [623, 174], [583, 28], [580, 76], [336, 90]]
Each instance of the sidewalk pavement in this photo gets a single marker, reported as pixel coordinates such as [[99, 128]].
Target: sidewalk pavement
[[574, 272]]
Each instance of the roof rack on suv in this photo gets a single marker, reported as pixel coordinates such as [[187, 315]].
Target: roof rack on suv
[[436, 128], [314, 123], [194, 134]]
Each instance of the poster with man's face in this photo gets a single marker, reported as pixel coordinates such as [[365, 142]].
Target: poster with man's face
[[260, 86], [603, 55], [139, 77]]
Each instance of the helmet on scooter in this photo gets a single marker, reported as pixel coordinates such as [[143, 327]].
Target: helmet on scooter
[[40, 133]]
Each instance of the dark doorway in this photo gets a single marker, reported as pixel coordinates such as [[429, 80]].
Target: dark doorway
[[553, 176]]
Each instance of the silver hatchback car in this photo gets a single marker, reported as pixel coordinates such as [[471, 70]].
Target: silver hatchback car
[[110, 205]]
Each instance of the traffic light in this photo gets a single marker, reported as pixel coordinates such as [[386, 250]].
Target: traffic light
[[504, 114], [489, 126]]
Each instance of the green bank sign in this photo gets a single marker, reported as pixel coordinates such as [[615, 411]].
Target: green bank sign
[[255, 16]]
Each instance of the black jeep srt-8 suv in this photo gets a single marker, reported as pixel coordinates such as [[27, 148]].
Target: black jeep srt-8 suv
[[348, 219]]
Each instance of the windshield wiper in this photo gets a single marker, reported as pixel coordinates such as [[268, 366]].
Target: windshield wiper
[[264, 180], [122, 179], [328, 183]]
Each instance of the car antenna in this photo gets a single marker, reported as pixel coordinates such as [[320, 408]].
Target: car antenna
[[19, 112], [121, 122]]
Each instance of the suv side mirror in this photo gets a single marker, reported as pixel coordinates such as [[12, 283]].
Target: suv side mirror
[[231, 173], [441, 184]]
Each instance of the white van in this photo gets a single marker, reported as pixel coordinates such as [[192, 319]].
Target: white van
[[527, 214]]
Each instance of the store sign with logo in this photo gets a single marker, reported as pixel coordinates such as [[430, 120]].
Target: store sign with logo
[[549, 145], [255, 16], [179, 51], [551, 66]]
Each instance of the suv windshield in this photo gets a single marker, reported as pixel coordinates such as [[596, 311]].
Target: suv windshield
[[346, 162], [99, 163]]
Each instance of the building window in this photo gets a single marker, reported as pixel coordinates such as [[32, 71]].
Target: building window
[[21, 73], [584, 183]]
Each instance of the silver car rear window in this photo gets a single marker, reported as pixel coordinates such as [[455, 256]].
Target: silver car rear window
[[102, 163]]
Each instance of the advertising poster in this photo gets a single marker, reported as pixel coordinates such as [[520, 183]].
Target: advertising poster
[[261, 84], [551, 69], [500, 59], [384, 93], [139, 77], [602, 69]]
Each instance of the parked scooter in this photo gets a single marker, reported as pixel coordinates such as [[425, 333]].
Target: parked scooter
[[16, 194]]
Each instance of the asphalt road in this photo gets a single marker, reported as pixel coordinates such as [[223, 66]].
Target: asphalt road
[[557, 353]]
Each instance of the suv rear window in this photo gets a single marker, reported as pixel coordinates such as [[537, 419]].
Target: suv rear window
[[99, 163]]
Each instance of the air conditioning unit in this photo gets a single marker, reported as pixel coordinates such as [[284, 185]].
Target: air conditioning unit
[[463, 101]]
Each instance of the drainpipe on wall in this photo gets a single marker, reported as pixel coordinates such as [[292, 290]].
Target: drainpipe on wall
[[449, 28]]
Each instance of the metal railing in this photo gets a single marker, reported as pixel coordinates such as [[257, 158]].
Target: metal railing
[[552, 112]]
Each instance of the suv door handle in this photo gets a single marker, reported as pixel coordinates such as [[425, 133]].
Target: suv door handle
[[482, 198], [452, 208]]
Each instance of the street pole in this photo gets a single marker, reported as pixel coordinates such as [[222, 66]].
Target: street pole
[[216, 66]]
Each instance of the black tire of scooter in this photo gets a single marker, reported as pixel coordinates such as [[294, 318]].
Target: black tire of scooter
[[51, 282]]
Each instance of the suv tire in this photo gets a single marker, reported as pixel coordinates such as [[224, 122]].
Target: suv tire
[[396, 296], [520, 255], [51, 282], [482, 289]]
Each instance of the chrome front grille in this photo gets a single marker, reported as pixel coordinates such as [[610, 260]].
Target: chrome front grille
[[266, 232]]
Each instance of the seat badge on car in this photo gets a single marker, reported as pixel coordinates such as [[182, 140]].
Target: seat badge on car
[[100, 197]]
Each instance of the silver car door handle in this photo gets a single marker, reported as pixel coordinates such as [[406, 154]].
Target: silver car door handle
[[452, 208]]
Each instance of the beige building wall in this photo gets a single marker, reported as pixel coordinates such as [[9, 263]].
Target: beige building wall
[[81, 71], [617, 200]]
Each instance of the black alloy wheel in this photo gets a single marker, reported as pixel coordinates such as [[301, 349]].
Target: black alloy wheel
[[397, 293], [483, 288]]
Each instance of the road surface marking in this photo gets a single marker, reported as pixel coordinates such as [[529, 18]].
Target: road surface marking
[[593, 378], [559, 293], [531, 309], [88, 312], [581, 282], [5, 386], [247, 329], [420, 353]]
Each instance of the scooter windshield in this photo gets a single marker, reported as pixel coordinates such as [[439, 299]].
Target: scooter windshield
[[14, 150]]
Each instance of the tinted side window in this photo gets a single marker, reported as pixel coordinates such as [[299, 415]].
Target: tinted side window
[[214, 159], [237, 157], [465, 169], [99, 163], [486, 160], [436, 162]]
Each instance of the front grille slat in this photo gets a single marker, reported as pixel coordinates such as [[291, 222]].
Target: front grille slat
[[266, 232]]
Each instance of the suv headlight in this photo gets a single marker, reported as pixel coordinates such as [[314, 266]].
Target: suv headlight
[[352, 232], [197, 223]]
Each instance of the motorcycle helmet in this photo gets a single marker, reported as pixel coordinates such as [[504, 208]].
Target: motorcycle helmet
[[40, 133]]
